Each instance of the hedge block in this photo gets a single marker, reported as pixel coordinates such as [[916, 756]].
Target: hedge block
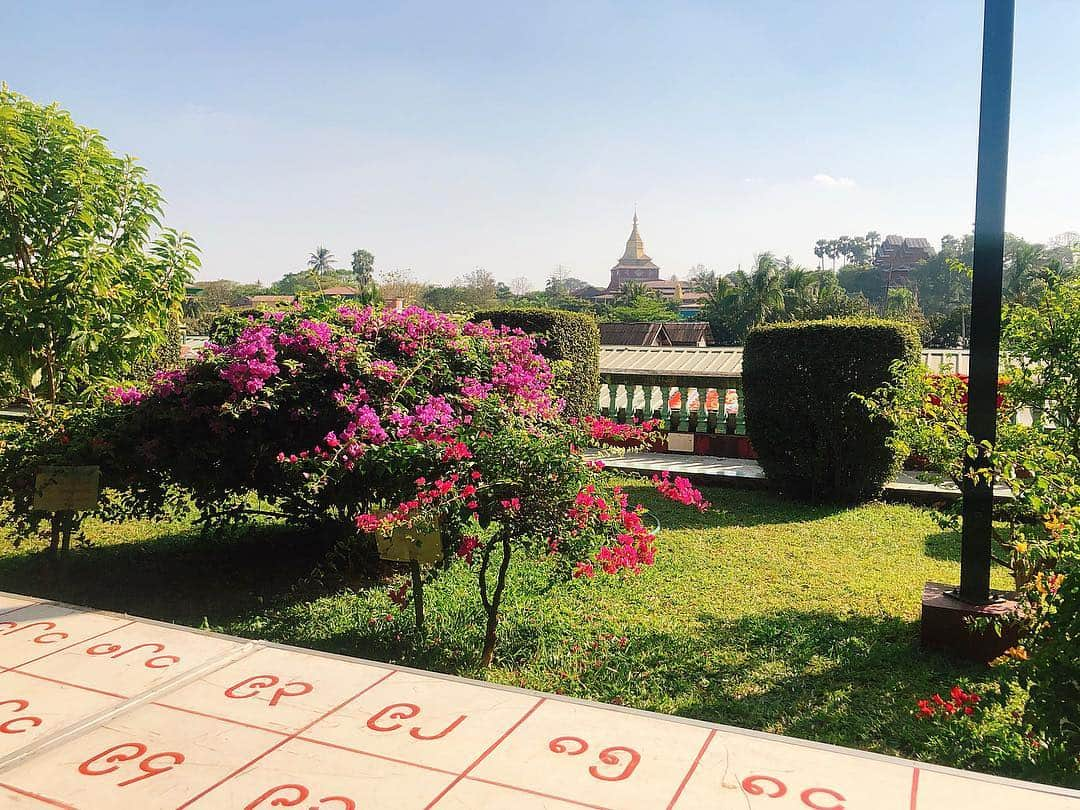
[[814, 439]]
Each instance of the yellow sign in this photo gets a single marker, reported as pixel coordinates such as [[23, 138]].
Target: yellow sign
[[66, 489], [420, 543]]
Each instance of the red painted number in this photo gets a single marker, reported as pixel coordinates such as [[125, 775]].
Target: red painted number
[[252, 686], [41, 638], [294, 795], [758, 785], [17, 725], [129, 755], [609, 757], [153, 662], [407, 711]]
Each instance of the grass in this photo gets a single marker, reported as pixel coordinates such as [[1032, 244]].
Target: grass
[[760, 613]]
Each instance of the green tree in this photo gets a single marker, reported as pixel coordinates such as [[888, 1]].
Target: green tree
[[363, 268], [761, 293], [321, 262], [631, 291], [641, 308], [86, 291]]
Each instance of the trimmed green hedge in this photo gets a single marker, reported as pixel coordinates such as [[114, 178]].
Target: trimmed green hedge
[[814, 440], [573, 344]]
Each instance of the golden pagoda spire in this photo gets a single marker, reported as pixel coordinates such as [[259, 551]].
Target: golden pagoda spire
[[635, 245]]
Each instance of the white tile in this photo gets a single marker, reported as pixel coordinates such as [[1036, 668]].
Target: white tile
[[31, 632], [31, 708], [947, 791], [277, 689], [308, 775], [149, 758], [430, 721], [596, 756], [744, 772], [132, 659]]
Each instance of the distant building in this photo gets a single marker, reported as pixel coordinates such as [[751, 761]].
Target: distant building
[[667, 333], [635, 266], [897, 255]]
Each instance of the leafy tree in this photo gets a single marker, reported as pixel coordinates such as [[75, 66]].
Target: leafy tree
[[446, 299], [631, 291], [943, 282], [363, 268], [215, 296], [86, 290], [520, 285], [400, 283], [641, 308], [478, 288], [305, 282]]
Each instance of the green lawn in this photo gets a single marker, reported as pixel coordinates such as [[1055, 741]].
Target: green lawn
[[760, 613]]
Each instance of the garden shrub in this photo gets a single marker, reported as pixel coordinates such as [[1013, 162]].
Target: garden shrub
[[814, 437], [362, 422], [572, 339]]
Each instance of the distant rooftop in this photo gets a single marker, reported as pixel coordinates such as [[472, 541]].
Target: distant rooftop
[[723, 361]]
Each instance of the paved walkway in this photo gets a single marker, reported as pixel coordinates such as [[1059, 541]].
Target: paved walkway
[[719, 470], [99, 710]]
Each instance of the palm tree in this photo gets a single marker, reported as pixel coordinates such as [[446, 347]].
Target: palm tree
[[761, 294], [873, 239], [800, 289], [631, 290], [1023, 265], [821, 247], [321, 261]]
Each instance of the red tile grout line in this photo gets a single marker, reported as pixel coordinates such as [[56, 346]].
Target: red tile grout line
[[480, 758], [693, 767], [536, 793], [19, 607], [914, 788], [37, 796], [72, 644], [229, 720], [17, 671], [282, 742], [363, 753], [301, 737]]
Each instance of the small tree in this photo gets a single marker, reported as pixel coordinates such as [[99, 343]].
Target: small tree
[[85, 292], [363, 268]]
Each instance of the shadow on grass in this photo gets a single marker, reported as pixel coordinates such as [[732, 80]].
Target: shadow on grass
[[943, 545], [180, 577]]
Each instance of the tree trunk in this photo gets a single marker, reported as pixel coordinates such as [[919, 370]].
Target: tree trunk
[[417, 593], [492, 605]]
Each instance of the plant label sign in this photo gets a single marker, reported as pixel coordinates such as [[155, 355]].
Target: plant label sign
[[66, 489], [405, 543]]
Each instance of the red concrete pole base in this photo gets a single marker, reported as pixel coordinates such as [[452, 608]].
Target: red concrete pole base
[[946, 624]]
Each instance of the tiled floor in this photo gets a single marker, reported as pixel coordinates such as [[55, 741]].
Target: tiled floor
[[106, 711], [719, 469]]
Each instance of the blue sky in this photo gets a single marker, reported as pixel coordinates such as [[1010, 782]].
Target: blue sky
[[518, 136]]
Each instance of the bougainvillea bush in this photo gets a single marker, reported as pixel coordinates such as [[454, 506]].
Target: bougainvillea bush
[[364, 421]]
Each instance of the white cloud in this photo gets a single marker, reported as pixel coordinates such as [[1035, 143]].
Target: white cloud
[[828, 181]]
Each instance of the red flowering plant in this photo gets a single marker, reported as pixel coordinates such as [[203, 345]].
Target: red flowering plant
[[365, 420], [958, 704]]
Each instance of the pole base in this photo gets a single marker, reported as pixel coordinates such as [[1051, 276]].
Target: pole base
[[945, 624]]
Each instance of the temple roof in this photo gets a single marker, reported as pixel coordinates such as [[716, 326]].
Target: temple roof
[[634, 256]]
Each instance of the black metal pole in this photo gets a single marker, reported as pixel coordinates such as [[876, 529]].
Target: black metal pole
[[986, 290]]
